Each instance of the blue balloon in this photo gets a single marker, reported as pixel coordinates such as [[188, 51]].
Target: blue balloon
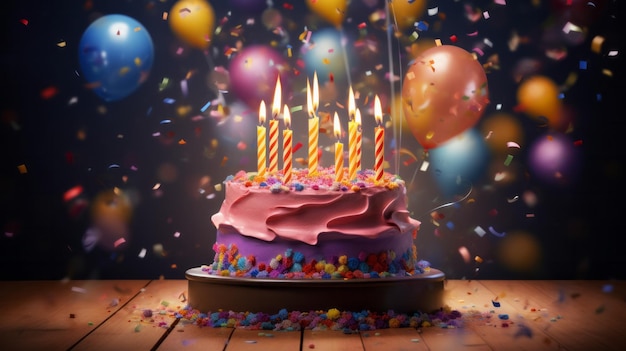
[[324, 55], [459, 162], [115, 55]]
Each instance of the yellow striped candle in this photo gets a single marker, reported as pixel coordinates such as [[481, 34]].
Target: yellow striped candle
[[352, 129], [274, 129], [352, 126], [338, 150], [379, 141], [261, 135], [314, 125], [287, 144], [359, 138]]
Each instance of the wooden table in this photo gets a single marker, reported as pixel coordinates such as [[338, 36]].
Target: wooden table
[[109, 315]]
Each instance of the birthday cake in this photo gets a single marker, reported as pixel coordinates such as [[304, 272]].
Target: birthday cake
[[314, 227]]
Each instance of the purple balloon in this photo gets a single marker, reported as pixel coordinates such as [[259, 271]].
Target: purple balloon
[[249, 5], [554, 159], [253, 75]]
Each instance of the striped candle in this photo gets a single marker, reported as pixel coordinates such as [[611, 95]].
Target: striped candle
[[273, 146], [359, 138], [338, 150], [261, 135], [314, 125], [274, 129], [352, 130], [352, 156], [379, 137], [287, 144]]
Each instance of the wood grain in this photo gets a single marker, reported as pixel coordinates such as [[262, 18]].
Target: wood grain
[[129, 328], [53, 315], [496, 315]]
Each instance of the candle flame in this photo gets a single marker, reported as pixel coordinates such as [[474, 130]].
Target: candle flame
[[316, 93], [357, 117], [262, 112], [309, 103], [277, 95], [378, 111], [351, 104], [286, 116], [336, 126]]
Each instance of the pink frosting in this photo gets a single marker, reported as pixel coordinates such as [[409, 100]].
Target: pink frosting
[[305, 215]]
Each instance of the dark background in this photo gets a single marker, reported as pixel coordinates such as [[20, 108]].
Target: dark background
[[575, 231]]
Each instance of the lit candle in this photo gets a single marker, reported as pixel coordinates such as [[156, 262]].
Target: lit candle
[[352, 130], [274, 129], [380, 140], [338, 150], [314, 124], [359, 138], [261, 135], [287, 142]]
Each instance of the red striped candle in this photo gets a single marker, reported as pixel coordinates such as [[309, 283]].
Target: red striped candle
[[379, 141], [287, 144], [274, 129]]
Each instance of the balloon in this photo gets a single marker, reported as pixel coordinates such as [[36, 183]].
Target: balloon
[[324, 55], [250, 6], [554, 159], [444, 93], [406, 13], [193, 22], [579, 12], [253, 74], [334, 11], [459, 162], [115, 56], [502, 132], [538, 96]]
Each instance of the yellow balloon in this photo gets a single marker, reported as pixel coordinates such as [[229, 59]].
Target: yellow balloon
[[538, 96], [193, 22], [334, 11], [406, 13]]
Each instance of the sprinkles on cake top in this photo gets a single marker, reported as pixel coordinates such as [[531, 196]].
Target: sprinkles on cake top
[[324, 178]]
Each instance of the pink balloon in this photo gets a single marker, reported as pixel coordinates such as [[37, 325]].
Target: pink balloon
[[444, 93], [253, 75]]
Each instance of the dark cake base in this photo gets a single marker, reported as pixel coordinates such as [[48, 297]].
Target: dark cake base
[[418, 293]]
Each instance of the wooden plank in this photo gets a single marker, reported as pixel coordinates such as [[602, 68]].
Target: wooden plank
[[53, 315], [331, 340], [442, 339], [581, 315], [129, 328], [494, 319], [245, 339], [398, 339], [194, 338]]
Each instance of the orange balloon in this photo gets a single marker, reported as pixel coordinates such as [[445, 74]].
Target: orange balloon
[[502, 132], [538, 96], [334, 11], [444, 93], [193, 22], [406, 13]]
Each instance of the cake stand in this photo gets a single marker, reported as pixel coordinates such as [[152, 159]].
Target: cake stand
[[417, 293]]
